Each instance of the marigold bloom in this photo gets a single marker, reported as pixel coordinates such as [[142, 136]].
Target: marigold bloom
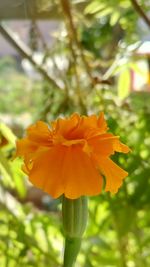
[[71, 156]]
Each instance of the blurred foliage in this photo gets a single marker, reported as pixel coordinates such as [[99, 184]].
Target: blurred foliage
[[16, 89], [118, 232]]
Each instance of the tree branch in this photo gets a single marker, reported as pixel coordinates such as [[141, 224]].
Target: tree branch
[[26, 53], [73, 33], [140, 11]]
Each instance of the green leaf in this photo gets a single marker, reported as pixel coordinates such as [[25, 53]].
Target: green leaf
[[18, 178], [7, 133], [6, 171], [94, 7], [12, 175], [104, 12], [124, 82], [114, 18]]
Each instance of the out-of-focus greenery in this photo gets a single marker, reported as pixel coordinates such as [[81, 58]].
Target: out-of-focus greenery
[[118, 232]]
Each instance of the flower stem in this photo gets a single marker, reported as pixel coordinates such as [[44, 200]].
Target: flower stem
[[72, 248]]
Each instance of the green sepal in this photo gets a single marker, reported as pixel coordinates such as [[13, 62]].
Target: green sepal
[[74, 214]]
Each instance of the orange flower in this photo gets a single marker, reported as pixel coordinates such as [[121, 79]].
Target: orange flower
[[70, 157]]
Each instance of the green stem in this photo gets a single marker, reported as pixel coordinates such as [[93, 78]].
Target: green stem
[[72, 248]]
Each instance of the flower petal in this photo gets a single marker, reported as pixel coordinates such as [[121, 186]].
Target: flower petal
[[102, 124], [80, 175], [107, 144], [47, 171], [91, 126], [40, 133], [120, 147], [103, 145], [64, 127], [114, 174], [25, 147]]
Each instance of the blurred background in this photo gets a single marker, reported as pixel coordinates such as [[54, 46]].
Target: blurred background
[[59, 57]]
